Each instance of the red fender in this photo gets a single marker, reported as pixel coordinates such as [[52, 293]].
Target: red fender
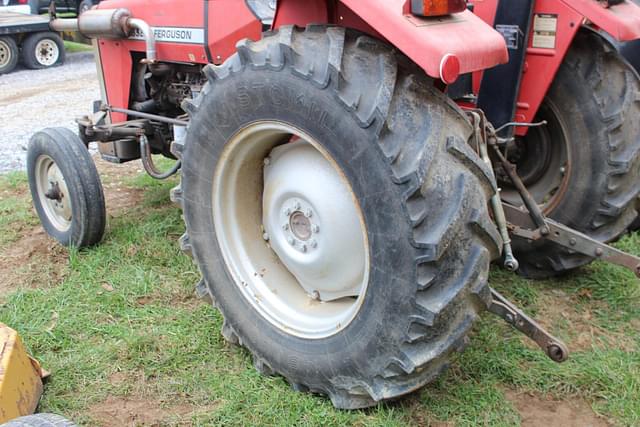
[[435, 44], [622, 21]]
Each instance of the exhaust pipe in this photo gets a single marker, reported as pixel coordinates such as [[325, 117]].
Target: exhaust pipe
[[109, 24]]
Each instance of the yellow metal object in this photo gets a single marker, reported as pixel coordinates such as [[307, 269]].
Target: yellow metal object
[[20, 377]]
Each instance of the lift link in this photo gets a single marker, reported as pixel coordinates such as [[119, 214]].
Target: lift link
[[555, 349], [481, 125]]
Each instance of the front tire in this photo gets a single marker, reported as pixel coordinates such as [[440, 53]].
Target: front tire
[[591, 181], [65, 188], [419, 194]]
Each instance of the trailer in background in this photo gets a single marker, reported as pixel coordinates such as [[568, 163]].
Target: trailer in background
[[28, 39]]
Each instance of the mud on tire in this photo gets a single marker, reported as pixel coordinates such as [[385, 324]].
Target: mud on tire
[[422, 191]]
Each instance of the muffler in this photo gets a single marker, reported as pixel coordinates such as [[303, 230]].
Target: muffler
[[109, 24]]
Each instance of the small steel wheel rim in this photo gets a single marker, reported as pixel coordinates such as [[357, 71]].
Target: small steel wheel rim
[[53, 193], [545, 173], [47, 52], [5, 54], [290, 229]]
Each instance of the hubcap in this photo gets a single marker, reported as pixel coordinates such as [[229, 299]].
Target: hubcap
[[5, 54], [542, 160], [53, 193], [47, 52], [290, 229]]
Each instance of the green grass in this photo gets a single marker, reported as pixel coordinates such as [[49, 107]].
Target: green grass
[[72, 47], [124, 323]]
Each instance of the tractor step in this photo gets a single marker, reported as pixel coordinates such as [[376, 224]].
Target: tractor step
[[554, 348]]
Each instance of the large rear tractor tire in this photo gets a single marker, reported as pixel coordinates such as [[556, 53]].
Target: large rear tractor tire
[[337, 214], [65, 188], [583, 167]]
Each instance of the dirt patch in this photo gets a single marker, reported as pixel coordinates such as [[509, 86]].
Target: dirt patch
[[118, 196], [120, 412], [537, 411], [559, 311], [34, 260]]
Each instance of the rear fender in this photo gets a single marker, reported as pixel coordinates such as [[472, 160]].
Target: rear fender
[[430, 42], [621, 21]]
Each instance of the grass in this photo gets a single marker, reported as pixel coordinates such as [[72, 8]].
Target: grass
[[73, 47], [124, 324]]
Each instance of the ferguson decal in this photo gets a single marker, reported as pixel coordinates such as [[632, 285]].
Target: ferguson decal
[[174, 35]]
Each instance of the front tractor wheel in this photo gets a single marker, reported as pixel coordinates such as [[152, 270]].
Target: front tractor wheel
[[65, 188], [337, 214]]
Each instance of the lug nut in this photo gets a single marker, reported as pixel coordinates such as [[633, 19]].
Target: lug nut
[[313, 244], [287, 211], [308, 213], [291, 241], [285, 226], [315, 228], [297, 205], [303, 248]]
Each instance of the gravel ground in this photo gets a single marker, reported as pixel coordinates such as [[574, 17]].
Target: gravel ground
[[31, 100]]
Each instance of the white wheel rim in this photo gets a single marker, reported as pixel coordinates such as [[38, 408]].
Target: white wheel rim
[[5, 54], [290, 229], [47, 52], [53, 193]]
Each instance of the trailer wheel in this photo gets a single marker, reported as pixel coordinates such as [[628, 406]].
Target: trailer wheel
[[337, 213], [39, 420], [65, 188], [583, 167], [8, 54], [43, 50]]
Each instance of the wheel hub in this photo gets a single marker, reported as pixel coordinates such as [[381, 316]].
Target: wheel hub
[[5, 54], [304, 194], [290, 230], [53, 193], [542, 160], [47, 52]]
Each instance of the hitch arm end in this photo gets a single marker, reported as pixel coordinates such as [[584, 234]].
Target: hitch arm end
[[554, 348]]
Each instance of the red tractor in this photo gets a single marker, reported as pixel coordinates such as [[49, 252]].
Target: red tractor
[[350, 169]]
